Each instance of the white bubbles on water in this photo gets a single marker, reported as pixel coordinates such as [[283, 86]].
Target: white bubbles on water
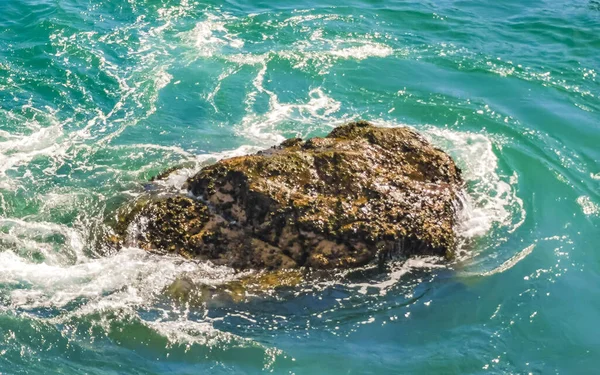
[[189, 333], [491, 198], [322, 54], [37, 140], [263, 127], [130, 278], [210, 36], [398, 270], [213, 38], [51, 243], [587, 206]]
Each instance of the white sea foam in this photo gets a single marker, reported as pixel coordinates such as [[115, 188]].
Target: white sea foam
[[38, 238], [124, 282], [322, 54], [587, 206], [262, 128], [511, 262], [192, 332], [491, 198], [19, 150], [398, 269], [131, 277], [210, 36], [363, 51], [46, 136]]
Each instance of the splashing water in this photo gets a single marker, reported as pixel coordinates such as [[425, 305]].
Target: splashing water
[[98, 97]]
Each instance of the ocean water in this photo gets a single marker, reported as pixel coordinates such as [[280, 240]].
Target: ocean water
[[97, 96]]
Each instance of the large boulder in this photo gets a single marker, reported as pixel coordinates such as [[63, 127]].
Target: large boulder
[[359, 195]]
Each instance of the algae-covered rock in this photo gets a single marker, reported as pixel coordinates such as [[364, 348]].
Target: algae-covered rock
[[359, 195]]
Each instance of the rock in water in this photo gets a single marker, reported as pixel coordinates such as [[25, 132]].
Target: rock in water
[[359, 195]]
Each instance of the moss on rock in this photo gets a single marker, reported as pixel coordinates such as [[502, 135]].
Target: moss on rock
[[359, 195]]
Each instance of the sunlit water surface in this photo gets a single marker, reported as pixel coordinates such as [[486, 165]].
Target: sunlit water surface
[[98, 96]]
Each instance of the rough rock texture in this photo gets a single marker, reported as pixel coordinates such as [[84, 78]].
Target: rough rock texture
[[359, 195]]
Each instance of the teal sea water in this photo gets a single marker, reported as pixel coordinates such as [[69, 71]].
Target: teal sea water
[[97, 96]]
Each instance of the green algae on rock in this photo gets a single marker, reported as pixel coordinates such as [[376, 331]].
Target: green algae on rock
[[359, 195]]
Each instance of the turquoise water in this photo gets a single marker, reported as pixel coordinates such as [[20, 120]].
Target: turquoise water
[[97, 96]]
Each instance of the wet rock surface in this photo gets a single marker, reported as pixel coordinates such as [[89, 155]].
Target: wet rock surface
[[359, 195]]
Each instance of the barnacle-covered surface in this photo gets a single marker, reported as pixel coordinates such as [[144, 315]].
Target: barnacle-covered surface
[[359, 195]]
